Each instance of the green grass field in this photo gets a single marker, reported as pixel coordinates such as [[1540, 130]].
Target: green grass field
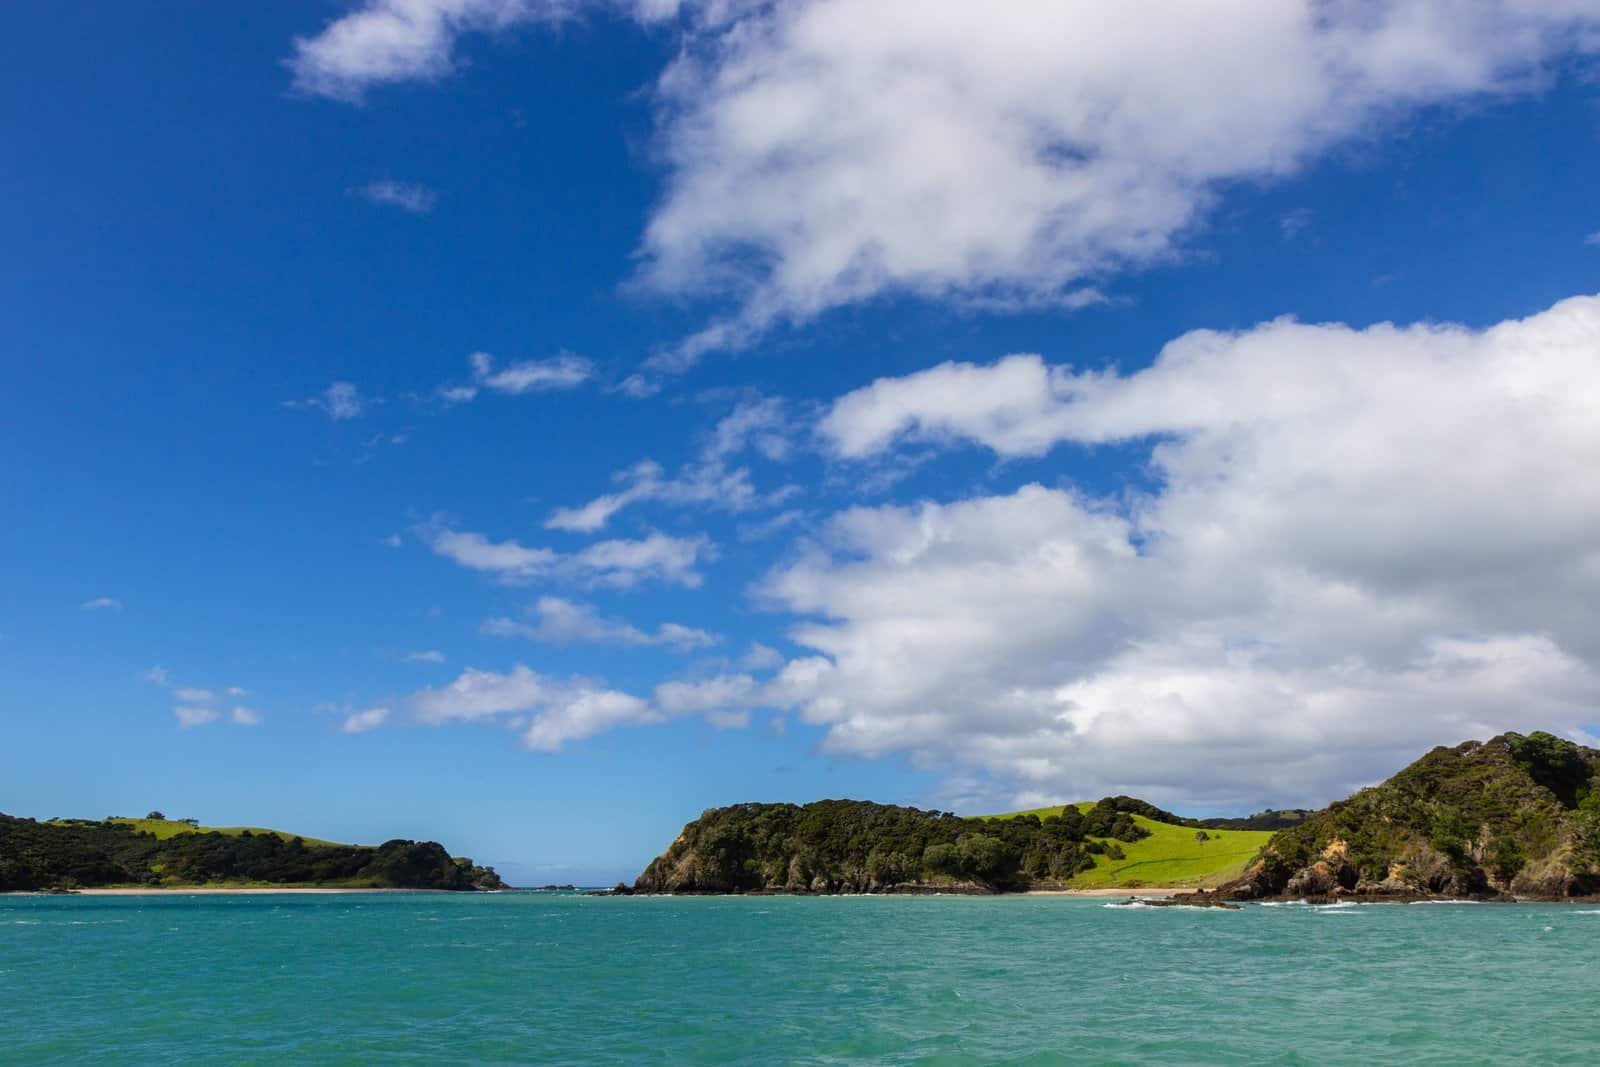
[[165, 828], [1170, 856]]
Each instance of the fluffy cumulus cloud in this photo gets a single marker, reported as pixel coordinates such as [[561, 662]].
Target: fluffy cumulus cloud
[[824, 152], [1357, 543], [556, 621]]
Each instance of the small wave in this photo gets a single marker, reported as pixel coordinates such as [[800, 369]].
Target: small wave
[[1587, 911], [1143, 905], [1301, 903], [24, 922], [1448, 902]]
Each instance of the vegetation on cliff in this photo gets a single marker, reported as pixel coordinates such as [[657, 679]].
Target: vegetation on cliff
[[1516, 815], [81, 853], [849, 846]]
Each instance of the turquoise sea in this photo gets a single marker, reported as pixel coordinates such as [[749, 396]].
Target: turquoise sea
[[537, 978]]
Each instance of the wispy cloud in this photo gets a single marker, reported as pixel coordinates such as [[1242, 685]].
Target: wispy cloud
[[409, 197], [1593, 240], [555, 621], [243, 716], [339, 401], [618, 563], [431, 655], [190, 717], [359, 722], [761, 426], [565, 370], [101, 603]]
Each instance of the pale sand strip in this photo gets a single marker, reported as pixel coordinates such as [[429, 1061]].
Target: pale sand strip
[[1154, 893], [209, 890]]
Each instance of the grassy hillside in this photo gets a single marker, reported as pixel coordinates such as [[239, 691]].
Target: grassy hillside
[[162, 829], [1174, 856], [1171, 856]]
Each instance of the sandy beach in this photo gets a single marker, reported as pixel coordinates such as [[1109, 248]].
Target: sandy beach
[[143, 891], [1159, 893]]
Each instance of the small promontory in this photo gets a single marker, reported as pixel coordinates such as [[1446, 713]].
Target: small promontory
[[159, 853]]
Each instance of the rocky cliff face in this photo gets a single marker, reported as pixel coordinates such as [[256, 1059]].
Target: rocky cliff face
[[1512, 817]]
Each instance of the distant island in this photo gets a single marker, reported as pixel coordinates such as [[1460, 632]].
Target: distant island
[[160, 853], [1515, 817]]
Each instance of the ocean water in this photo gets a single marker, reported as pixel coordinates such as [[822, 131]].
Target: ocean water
[[534, 978]]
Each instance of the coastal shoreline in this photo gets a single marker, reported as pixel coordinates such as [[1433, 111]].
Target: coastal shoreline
[[209, 890], [1152, 893]]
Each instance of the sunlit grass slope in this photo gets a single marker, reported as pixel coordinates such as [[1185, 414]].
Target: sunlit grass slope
[[165, 828], [1170, 856]]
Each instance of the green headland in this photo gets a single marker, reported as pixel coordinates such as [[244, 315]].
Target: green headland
[[160, 853], [1515, 817]]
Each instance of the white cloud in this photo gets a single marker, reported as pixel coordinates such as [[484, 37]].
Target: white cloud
[[618, 563], [563, 371], [190, 717], [359, 722], [561, 710], [759, 425], [243, 716], [101, 603], [157, 675], [1593, 239], [550, 712], [431, 655], [193, 695], [392, 541], [1359, 543], [507, 559], [339, 401], [826, 152], [236, 691], [1013, 406], [561, 621], [624, 563], [531, 375], [759, 657], [390, 41], [723, 693], [407, 196]]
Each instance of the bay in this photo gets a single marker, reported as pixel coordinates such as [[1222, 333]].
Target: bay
[[543, 978]]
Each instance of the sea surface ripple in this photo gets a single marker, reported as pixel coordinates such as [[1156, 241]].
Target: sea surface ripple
[[542, 978]]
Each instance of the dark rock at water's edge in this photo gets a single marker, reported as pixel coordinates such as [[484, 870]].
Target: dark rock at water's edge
[[1513, 818]]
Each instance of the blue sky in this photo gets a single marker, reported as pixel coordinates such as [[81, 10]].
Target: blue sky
[[324, 323]]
